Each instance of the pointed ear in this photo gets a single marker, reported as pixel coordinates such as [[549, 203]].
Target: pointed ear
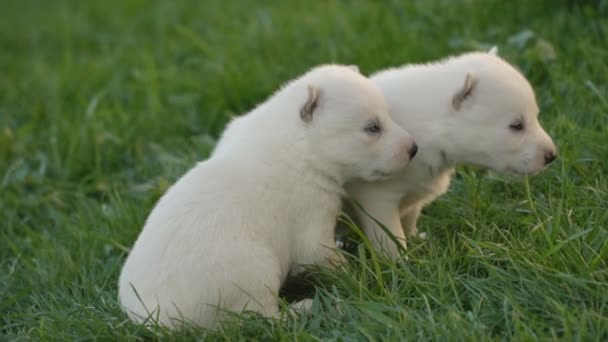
[[311, 104], [465, 92], [494, 50], [354, 68]]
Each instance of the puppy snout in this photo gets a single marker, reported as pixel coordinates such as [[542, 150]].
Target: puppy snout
[[549, 157], [413, 150]]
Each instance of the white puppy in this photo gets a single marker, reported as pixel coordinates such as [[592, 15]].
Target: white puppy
[[474, 109], [226, 235]]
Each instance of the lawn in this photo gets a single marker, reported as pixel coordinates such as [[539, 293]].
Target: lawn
[[103, 104]]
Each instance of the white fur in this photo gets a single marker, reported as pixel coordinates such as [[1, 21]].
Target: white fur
[[451, 127], [225, 236]]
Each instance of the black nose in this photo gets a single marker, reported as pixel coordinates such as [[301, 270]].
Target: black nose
[[549, 157], [413, 150]]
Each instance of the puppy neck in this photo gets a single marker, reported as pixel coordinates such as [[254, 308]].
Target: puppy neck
[[326, 178], [435, 159], [303, 168]]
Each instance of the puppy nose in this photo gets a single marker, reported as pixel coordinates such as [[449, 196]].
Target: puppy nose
[[413, 150], [549, 157]]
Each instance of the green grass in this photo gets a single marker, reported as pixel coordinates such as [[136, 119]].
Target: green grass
[[104, 103]]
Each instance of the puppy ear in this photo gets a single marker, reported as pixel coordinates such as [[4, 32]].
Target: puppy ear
[[494, 50], [354, 68], [311, 104], [465, 92]]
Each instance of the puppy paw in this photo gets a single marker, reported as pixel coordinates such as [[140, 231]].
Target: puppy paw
[[416, 234], [303, 306]]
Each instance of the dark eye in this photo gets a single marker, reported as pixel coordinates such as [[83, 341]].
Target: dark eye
[[517, 126], [372, 127]]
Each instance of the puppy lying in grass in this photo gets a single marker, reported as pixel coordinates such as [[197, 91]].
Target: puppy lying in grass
[[227, 234], [474, 109]]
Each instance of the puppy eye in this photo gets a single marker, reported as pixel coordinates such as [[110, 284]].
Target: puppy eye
[[372, 127], [517, 126]]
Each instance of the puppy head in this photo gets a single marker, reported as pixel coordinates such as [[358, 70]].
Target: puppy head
[[349, 127], [495, 119]]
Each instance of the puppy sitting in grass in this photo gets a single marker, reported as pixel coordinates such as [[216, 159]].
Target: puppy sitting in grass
[[474, 109], [226, 235]]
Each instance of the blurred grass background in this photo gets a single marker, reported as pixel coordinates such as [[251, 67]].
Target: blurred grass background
[[104, 104]]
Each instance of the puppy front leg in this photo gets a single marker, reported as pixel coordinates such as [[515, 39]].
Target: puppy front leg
[[326, 254], [387, 213], [409, 218], [313, 249]]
